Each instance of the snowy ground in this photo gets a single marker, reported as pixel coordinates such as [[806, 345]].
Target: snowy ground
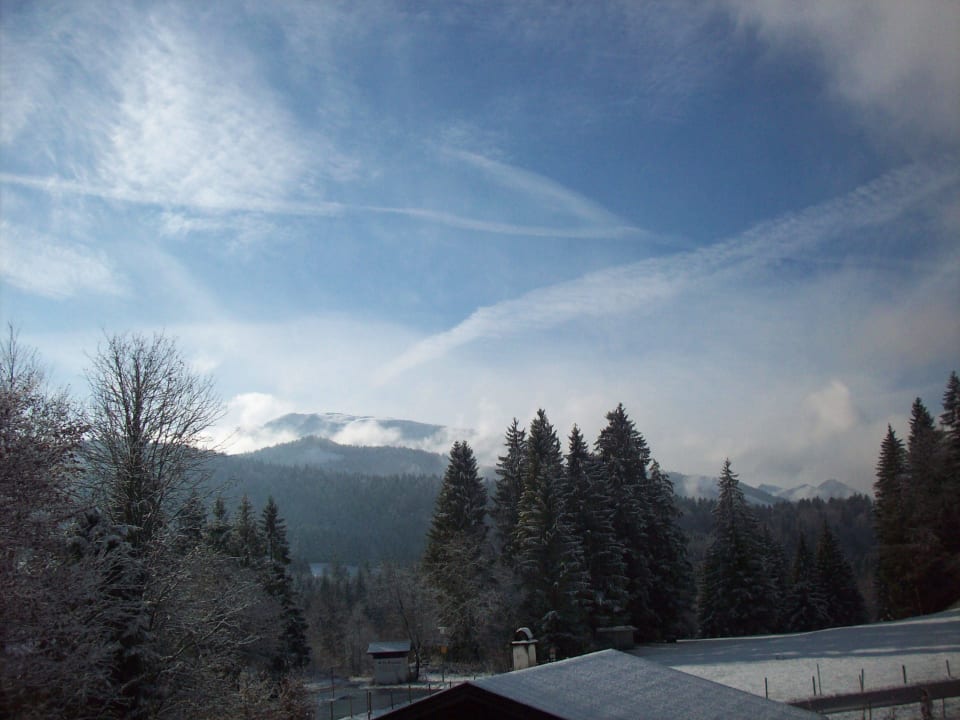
[[924, 646]]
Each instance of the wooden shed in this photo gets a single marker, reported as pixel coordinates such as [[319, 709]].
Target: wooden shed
[[391, 661]]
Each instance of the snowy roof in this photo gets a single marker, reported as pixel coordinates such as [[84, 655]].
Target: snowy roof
[[389, 646], [607, 685]]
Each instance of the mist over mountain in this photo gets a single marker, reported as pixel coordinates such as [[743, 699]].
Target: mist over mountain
[[368, 445]]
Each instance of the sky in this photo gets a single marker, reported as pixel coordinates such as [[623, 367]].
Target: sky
[[741, 219]]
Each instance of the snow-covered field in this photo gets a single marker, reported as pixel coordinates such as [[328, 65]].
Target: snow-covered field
[[924, 646]]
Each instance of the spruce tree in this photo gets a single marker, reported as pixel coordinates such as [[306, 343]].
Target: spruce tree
[[549, 556], [246, 542], [806, 607], [774, 564], [922, 496], [735, 597], [218, 529], [624, 456], [947, 520], [837, 583], [592, 510], [295, 652], [455, 559], [673, 588], [509, 489], [895, 591]]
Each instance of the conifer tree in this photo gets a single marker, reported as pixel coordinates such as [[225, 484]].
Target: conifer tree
[[592, 511], [295, 652], [735, 594], [673, 587], [922, 494], [806, 607], [549, 556], [246, 542], [895, 592], [454, 559], [624, 456], [837, 583], [509, 489], [775, 569], [218, 529], [191, 522]]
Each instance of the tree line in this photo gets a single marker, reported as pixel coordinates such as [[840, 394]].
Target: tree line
[[571, 542], [576, 541], [120, 599]]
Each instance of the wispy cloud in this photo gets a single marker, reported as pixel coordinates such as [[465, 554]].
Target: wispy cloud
[[643, 286], [38, 264]]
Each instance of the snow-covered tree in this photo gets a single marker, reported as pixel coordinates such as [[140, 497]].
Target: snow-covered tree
[[455, 560], [806, 607], [592, 509], [549, 556], [735, 597], [509, 489], [837, 584]]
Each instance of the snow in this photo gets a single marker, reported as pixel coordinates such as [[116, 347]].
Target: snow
[[836, 657]]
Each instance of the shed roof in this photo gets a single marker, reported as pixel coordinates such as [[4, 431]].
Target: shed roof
[[388, 646], [607, 685]]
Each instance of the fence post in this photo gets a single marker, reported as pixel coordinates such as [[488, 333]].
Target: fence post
[[904, 674], [766, 689], [819, 681], [813, 680]]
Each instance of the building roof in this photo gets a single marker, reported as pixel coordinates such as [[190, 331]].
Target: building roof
[[607, 685], [388, 646]]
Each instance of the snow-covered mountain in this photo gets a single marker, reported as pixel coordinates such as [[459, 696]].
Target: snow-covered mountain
[[352, 430], [702, 486]]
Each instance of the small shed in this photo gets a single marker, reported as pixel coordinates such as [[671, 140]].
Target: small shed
[[391, 661]]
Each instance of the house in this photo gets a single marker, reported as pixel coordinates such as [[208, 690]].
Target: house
[[391, 661], [606, 685]]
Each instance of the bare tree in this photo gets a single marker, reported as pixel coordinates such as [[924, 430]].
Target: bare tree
[[149, 415]]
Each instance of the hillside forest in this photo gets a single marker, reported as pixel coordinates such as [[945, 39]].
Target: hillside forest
[[148, 576]]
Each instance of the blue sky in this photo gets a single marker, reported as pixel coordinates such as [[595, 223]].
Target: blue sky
[[738, 218]]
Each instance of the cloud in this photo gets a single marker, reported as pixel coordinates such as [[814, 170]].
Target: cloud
[[896, 63], [38, 264], [830, 410], [644, 286]]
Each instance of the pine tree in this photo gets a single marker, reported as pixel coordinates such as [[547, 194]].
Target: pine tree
[[806, 607], [624, 456], [246, 542], [774, 564], [592, 511], [509, 489], [736, 597], [218, 529], [549, 556], [191, 521], [947, 521], [922, 498], [837, 583], [895, 592], [673, 587], [454, 559], [279, 584]]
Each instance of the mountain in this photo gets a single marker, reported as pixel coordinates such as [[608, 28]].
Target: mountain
[[364, 430], [312, 451], [702, 486]]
